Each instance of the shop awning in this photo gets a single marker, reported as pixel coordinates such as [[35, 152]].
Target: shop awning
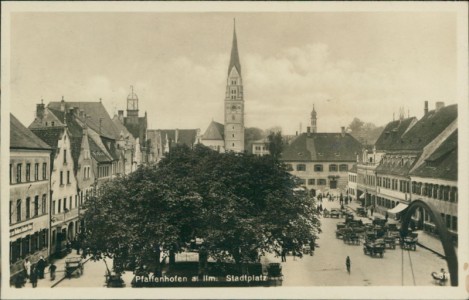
[[398, 208]]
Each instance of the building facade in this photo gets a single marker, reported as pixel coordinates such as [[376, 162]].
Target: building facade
[[29, 213]]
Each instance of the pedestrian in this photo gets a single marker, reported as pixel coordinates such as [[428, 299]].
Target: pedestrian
[[27, 267], [33, 277], [371, 210], [41, 265], [52, 269], [386, 216], [347, 264], [284, 255]]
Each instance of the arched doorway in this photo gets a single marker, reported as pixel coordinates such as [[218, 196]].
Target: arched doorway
[[450, 254]]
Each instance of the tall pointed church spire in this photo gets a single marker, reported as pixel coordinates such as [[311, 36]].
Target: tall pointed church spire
[[234, 60]]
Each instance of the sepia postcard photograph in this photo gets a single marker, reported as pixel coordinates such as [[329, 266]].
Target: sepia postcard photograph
[[269, 150]]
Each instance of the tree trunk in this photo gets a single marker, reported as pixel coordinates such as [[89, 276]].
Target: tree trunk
[[158, 262], [172, 257]]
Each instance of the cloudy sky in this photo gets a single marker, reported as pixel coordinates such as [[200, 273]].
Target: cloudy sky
[[348, 64]]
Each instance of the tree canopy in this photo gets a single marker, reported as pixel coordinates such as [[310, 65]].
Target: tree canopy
[[241, 205]]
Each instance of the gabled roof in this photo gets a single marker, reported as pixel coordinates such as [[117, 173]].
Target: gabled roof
[[322, 147], [426, 129], [393, 132], [95, 112], [234, 59], [443, 162], [137, 130], [23, 138], [97, 153], [215, 131], [50, 135], [184, 136], [122, 130]]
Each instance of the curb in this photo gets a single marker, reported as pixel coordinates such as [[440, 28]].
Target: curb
[[60, 280], [431, 250]]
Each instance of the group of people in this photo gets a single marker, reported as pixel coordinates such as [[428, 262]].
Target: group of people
[[34, 272]]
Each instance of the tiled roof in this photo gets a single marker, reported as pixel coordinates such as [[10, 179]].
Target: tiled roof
[[393, 132], [426, 129], [185, 136], [98, 154], [215, 131], [95, 112], [395, 168], [50, 135], [75, 144], [23, 138], [443, 162], [322, 147], [121, 128], [137, 130]]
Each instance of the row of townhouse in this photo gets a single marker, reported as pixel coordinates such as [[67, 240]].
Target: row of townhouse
[[66, 154], [412, 160]]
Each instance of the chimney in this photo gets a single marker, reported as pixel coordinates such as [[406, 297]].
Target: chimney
[[439, 105], [40, 110], [176, 136], [120, 114], [342, 131], [62, 104], [425, 110]]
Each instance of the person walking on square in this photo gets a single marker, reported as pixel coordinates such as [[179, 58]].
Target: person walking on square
[[348, 264], [33, 277], [52, 269], [41, 265], [284, 255], [27, 267]]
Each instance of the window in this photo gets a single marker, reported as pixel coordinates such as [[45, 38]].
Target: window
[[36, 172], [311, 181], [455, 223], [76, 200], [52, 123], [44, 204], [65, 204], [11, 173], [289, 167], [53, 207], [71, 202], [44, 171], [232, 135], [59, 206], [28, 172], [18, 173], [322, 182], [317, 168], [448, 221], [302, 181], [343, 168], [332, 168], [301, 167], [36, 206], [28, 208], [65, 156], [18, 210], [11, 211], [61, 178], [68, 177]]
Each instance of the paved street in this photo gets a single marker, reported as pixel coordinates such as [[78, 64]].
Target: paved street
[[327, 266]]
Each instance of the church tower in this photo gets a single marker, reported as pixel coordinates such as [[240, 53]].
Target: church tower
[[234, 102], [314, 119]]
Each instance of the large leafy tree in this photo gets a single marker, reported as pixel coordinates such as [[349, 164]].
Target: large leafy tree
[[276, 144], [241, 205]]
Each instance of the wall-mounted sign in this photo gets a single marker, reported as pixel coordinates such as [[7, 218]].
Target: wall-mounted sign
[[21, 229]]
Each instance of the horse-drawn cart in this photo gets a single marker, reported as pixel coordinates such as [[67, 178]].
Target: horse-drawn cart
[[73, 266], [373, 248], [409, 242]]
